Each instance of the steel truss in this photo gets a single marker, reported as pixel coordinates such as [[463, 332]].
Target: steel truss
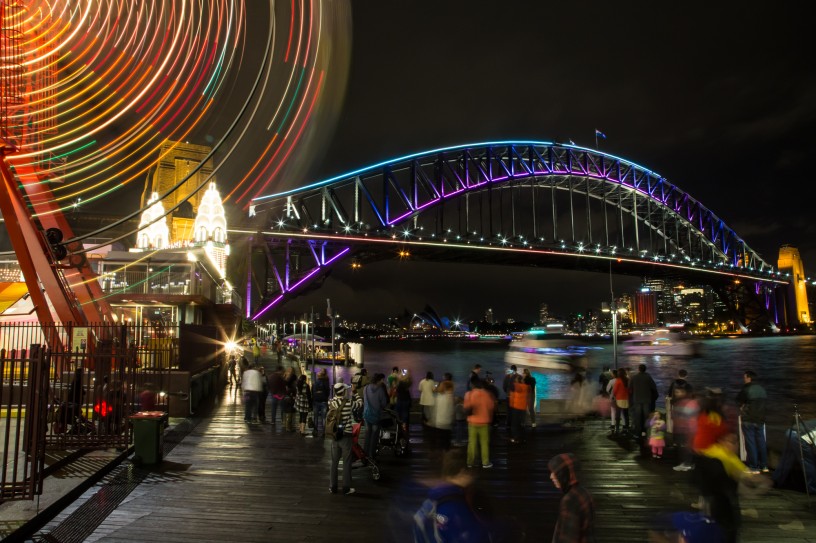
[[524, 196]]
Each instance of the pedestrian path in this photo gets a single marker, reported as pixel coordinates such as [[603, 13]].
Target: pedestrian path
[[223, 480]]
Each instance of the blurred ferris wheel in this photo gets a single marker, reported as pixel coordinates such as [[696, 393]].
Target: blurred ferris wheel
[[92, 91], [93, 88]]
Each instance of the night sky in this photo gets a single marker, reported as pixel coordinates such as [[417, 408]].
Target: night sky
[[719, 99]]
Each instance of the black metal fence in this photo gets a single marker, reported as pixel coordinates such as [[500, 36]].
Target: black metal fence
[[77, 392]]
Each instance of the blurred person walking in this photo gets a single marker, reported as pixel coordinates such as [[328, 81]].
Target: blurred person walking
[[251, 386], [576, 512], [517, 395], [530, 381]]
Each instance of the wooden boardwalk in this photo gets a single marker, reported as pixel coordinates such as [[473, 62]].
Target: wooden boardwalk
[[228, 481]]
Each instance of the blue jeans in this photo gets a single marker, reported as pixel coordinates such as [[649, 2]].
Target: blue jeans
[[250, 405], [274, 402], [372, 436], [755, 447], [320, 411]]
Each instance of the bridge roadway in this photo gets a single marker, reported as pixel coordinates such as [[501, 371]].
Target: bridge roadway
[[223, 480]]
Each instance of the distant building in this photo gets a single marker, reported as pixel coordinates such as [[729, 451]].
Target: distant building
[[644, 311], [543, 314], [489, 316]]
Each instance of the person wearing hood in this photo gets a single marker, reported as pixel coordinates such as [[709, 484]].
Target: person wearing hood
[[576, 512]]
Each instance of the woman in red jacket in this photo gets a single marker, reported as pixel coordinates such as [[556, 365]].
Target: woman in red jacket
[[620, 395]]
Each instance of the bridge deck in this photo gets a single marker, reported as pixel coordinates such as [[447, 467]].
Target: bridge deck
[[223, 480]]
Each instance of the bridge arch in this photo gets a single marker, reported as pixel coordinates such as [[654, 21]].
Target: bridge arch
[[525, 197]]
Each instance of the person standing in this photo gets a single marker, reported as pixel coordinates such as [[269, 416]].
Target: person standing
[[444, 412], [320, 400], [474, 376], [277, 390], [427, 387], [480, 404], [620, 396], [341, 448], [391, 383], [642, 398], [303, 402], [403, 403], [530, 381], [679, 387], [232, 365], [517, 406], [752, 399], [576, 512], [262, 394], [251, 386], [375, 400]]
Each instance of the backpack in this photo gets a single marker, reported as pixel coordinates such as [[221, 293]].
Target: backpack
[[335, 428], [426, 529]]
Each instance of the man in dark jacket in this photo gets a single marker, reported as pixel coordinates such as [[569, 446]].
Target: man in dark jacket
[[320, 401], [752, 399], [642, 398], [576, 513]]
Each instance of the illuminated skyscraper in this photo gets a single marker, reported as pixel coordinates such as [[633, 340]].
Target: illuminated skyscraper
[[489, 316]]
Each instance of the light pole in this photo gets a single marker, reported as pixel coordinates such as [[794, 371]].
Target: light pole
[[614, 309], [330, 313]]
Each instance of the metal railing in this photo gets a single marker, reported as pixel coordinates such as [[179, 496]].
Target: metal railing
[[78, 392]]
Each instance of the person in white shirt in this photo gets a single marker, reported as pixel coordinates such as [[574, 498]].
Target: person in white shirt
[[427, 387], [251, 385]]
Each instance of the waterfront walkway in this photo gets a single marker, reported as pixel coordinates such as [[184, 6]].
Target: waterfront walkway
[[223, 480]]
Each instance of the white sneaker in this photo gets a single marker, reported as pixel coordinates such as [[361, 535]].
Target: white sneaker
[[683, 467]]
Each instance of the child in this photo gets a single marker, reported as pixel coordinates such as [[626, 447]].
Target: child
[[657, 434]]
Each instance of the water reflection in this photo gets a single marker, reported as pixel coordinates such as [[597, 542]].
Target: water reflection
[[785, 366]]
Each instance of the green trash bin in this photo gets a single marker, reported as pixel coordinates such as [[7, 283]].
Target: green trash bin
[[148, 436]]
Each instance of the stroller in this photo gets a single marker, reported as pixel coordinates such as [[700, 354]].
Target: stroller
[[393, 433], [361, 460]]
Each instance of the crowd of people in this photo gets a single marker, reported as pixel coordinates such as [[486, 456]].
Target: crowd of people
[[696, 422]]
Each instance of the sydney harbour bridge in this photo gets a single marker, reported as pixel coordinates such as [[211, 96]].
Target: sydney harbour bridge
[[517, 203]]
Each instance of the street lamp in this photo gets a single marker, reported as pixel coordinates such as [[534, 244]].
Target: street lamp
[[614, 309], [330, 313]]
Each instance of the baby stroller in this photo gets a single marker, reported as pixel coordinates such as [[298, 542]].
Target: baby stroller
[[393, 433], [361, 460]]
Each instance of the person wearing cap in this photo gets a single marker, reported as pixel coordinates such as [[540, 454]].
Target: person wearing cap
[[576, 512], [341, 448]]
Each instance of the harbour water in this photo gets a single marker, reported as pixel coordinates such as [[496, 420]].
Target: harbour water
[[786, 367]]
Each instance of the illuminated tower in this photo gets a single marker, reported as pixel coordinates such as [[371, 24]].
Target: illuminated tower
[[177, 162], [790, 262]]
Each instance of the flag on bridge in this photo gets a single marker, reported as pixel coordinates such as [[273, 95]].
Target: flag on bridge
[[599, 134]]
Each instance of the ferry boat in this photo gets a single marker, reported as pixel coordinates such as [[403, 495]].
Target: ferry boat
[[551, 355], [663, 345]]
